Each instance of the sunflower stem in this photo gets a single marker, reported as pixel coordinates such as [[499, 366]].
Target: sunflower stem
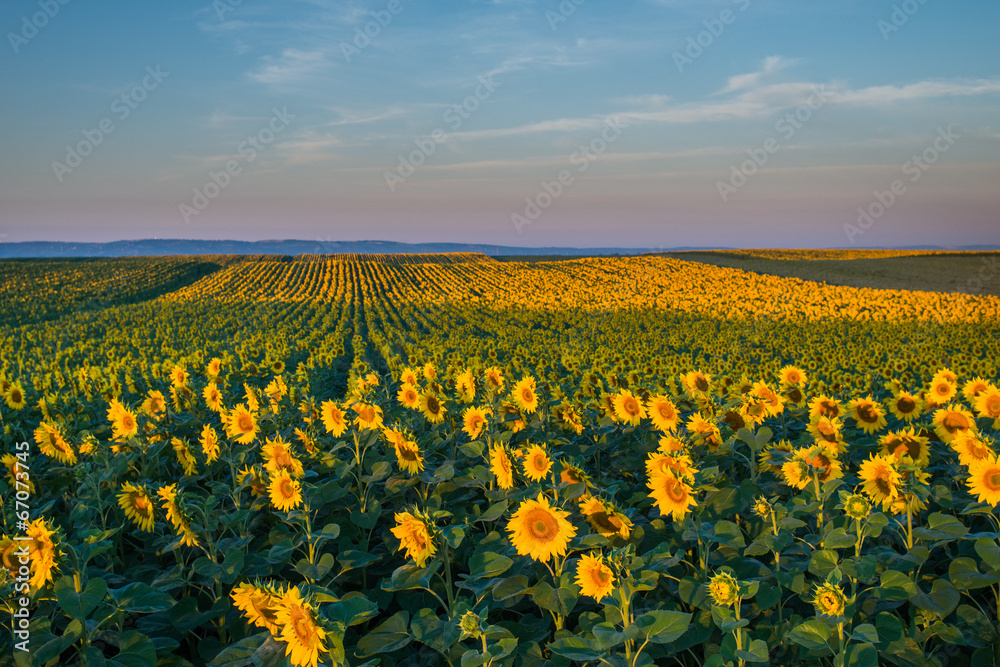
[[819, 511], [909, 524]]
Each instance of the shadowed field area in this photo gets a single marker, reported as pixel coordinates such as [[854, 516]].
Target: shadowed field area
[[969, 273]]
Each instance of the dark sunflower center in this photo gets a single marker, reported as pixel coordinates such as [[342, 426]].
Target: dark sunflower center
[[954, 421], [906, 405], [867, 414]]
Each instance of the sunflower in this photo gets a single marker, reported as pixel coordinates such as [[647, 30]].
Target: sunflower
[[465, 385], [537, 464], [829, 600], [695, 382], [42, 552], [415, 537], [278, 456], [771, 400], [988, 405], [569, 417], [154, 404], [333, 419], [724, 589], [185, 457], [792, 375], [408, 455], [826, 431], [951, 421], [209, 443], [241, 425], [213, 397], [704, 431], [880, 479], [944, 387], [14, 396], [796, 473], [432, 407], [793, 394], [429, 371], [663, 413], [137, 505], [501, 467], [524, 396], [867, 414], [259, 604], [369, 416], [178, 376], [251, 398], [973, 388], [823, 406], [857, 507], [176, 516], [628, 409], [672, 495], [284, 491], [539, 530], [984, 480], [494, 379], [605, 518], [762, 507], [670, 444], [214, 368], [595, 579], [474, 420], [299, 629], [408, 376], [572, 474], [51, 443], [907, 443], [408, 396], [905, 406], [124, 424], [677, 463], [256, 480], [970, 448]]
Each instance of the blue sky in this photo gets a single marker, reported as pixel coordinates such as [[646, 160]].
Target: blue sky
[[654, 139]]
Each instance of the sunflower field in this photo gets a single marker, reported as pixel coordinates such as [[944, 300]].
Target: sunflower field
[[449, 460]]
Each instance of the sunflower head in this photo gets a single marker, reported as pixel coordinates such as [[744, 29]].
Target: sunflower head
[[762, 507], [857, 506], [539, 530], [471, 625], [724, 589], [594, 577], [829, 600], [416, 536]]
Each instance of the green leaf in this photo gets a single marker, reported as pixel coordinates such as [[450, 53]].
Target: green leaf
[[453, 535], [663, 627], [488, 564], [495, 511], [866, 632], [439, 634], [989, 551], [607, 636], [315, 571], [559, 600], [79, 605], [811, 634], [941, 527], [509, 587], [838, 539], [407, 577], [473, 658], [353, 609], [942, 599], [823, 562], [353, 560], [726, 619], [240, 653], [279, 553], [270, 654], [896, 586], [369, 517], [758, 652], [964, 573], [139, 598], [728, 534], [390, 636], [136, 650], [861, 655], [574, 648]]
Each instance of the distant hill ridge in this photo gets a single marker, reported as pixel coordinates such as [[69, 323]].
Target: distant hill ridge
[[148, 247]]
